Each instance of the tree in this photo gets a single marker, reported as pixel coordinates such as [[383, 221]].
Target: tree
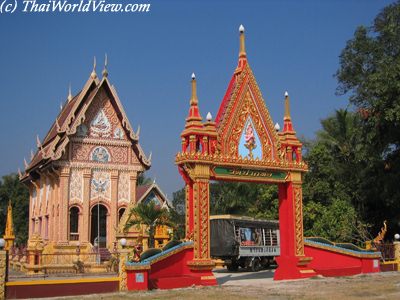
[[151, 215], [337, 160], [369, 73], [266, 203], [334, 198], [178, 212], [231, 197], [143, 180], [12, 189], [337, 221]]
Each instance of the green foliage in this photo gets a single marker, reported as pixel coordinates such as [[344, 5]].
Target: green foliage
[[266, 204], [250, 199], [12, 189], [369, 73], [151, 215], [143, 180], [335, 160], [336, 221], [230, 198], [177, 213], [333, 187]]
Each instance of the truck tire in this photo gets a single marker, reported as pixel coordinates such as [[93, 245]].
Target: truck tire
[[233, 266], [255, 265]]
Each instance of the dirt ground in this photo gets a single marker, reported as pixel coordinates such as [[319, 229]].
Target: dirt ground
[[261, 286]]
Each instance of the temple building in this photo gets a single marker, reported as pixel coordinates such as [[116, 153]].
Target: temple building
[[83, 175]]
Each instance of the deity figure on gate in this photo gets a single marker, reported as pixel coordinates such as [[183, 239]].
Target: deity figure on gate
[[250, 139]]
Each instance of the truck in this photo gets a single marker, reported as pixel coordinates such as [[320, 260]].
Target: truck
[[244, 242]]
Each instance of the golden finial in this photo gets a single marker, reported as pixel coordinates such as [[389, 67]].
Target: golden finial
[[105, 72], [287, 106], [26, 164], [242, 51], [19, 173], [151, 153], [69, 93], [32, 154], [94, 75], [38, 143], [138, 132], [193, 99], [61, 106], [58, 127]]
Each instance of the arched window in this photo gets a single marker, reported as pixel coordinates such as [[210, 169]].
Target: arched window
[[74, 223], [120, 213]]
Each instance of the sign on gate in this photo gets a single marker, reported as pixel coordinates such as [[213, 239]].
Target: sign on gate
[[259, 250]]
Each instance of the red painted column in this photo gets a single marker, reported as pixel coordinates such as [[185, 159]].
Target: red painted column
[[189, 209], [292, 263]]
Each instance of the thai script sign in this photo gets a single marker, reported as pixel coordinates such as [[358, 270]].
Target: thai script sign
[[259, 251], [239, 172]]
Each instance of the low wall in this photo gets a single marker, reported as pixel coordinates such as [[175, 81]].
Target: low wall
[[59, 288], [330, 260], [167, 270]]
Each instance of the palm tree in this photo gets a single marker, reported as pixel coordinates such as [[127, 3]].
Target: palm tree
[[341, 133], [150, 215]]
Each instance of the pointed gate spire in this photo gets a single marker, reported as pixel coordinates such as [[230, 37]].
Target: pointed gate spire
[[194, 113], [242, 50]]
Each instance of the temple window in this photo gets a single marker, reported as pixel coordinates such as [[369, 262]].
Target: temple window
[[40, 226], [74, 223], [294, 155], [46, 228], [33, 226], [120, 213]]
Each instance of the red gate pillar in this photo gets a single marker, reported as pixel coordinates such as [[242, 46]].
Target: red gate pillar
[[198, 224], [292, 264]]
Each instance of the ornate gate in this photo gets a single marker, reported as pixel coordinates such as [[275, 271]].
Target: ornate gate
[[242, 144]]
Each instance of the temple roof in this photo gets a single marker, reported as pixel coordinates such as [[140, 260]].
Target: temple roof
[[71, 116], [142, 191]]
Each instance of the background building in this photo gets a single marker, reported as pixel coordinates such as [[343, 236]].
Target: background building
[[83, 175]]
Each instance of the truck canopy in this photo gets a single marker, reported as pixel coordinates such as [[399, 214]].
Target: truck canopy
[[223, 237]]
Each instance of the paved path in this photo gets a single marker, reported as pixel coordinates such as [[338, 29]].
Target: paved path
[[243, 278]]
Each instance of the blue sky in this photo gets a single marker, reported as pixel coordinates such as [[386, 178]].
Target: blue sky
[[291, 45]]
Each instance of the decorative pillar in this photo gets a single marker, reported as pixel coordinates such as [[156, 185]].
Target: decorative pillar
[[57, 211], [292, 263], [189, 209], [192, 143], [122, 271], [51, 210], [9, 236], [112, 225], [132, 187], [64, 193], [85, 225], [3, 270], [30, 214], [201, 225]]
